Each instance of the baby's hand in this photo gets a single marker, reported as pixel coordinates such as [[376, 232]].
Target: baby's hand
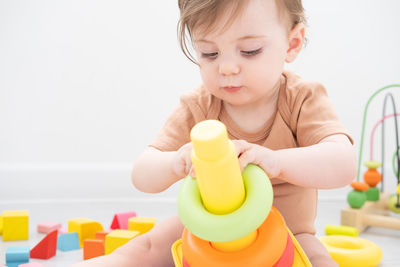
[[258, 155], [182, 163]]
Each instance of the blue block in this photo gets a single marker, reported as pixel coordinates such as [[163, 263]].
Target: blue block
[[15, 263], [17, 255], [68, 241]]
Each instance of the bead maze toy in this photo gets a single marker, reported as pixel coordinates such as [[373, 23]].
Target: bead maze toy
[[370, 206], [228, 215]]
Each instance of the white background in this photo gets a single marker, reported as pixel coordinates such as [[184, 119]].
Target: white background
[[85, 86]]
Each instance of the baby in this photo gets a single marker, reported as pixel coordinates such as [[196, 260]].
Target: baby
[[278, 121]]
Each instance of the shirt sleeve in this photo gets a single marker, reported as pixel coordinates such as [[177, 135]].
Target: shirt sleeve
[[316, 117], [176, 130]]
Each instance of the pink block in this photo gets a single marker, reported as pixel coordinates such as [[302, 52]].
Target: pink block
[[47, 227], [62, 231], [120, 220], [31, 264]]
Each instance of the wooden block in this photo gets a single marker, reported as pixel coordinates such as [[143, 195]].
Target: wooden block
[[117, 238], [46, 248], [120, 220], [17, 255], [353, 217], [15, 225], [382, 221], [47, 227], [141, 224], [86, 228], [101, 235], [68, 241], [93, 248], [371, 214]]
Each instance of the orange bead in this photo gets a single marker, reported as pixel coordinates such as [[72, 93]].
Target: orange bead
[[359, 186], [372, 177]]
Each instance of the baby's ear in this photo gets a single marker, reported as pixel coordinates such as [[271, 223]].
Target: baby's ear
[[296, 41]]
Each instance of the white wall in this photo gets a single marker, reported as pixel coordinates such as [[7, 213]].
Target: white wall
[[85, 85]]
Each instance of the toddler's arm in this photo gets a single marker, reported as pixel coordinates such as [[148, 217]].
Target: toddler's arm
[[329, 164], [155, 170]]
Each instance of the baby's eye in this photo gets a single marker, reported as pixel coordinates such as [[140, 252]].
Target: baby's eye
[[251, 52], [209, 55]]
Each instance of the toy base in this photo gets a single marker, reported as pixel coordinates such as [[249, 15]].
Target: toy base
[[300, 258]]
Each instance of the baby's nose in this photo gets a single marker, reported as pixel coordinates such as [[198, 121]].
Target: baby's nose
[[228, 68]]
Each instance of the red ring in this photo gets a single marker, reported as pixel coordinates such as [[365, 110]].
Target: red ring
[[287, 255]]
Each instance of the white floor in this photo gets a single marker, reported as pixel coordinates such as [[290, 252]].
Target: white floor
[[103, 211]]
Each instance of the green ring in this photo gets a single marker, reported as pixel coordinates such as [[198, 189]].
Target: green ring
[[232, 226]]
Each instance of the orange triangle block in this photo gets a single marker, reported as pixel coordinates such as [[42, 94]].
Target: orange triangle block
[[46, 248]]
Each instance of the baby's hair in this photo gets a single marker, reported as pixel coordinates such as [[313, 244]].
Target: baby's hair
[[206, 12]]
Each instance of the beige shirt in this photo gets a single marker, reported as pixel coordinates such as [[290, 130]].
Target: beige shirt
[[304, 117]]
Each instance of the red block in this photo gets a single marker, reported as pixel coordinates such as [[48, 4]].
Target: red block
[[46, 248], [93, 248], [120, 220]]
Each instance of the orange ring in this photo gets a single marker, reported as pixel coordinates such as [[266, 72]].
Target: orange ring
[[288, 255], [266, 250]]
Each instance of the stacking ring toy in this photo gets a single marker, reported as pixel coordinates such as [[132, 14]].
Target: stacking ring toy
[[349, 251], [287, 257], [237, 224], [266, 250]]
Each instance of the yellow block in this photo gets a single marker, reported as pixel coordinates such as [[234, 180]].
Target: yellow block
[[141, 224], [1, 224], [217, 167], [117, 238], [398, 189], [15, 225], [86, 228]]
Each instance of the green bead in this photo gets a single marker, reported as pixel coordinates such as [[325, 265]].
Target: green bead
[[356, 199], [372, 164], [393, 204], [372, 194]]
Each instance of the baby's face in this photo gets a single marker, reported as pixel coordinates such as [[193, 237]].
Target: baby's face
[[243, 63]]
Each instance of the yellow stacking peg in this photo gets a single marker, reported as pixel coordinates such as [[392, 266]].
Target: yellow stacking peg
[[398, 189], [217, 167], [117, 238], [218, 175], [86, 228], [15, 225], [141, 224]]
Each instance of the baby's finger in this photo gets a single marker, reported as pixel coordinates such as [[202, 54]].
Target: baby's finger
[[240, 146], [244, 159], [192, 174]]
